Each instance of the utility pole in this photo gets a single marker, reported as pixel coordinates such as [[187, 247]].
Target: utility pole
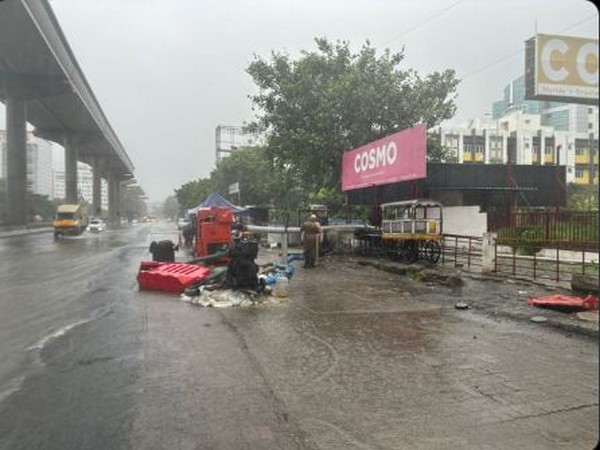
[[593, 193]]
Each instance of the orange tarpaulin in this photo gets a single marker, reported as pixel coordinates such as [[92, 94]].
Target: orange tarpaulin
[[565, 302]]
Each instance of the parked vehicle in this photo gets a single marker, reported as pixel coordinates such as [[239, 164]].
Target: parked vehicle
[[96, 225], [182, 223], [70, 220], [412, 229]]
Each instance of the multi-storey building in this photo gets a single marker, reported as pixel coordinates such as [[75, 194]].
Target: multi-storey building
[[39, 163], [560, 116], [520, 138], [84, 185], [522, 131]]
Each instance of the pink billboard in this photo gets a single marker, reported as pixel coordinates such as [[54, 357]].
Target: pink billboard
[[399, 157]]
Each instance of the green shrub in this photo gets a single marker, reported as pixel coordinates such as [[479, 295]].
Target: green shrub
[[530, 241]]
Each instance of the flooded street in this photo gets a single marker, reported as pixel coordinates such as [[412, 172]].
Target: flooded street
[[354, 358]]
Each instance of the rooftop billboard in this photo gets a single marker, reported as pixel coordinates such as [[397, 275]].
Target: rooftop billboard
[[398, 157], [561, 68]]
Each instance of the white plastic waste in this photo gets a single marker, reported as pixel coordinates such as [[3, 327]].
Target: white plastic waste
[[281, 287], [218, 299]]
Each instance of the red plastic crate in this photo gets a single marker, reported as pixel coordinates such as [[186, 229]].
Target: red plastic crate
[[169, 277]]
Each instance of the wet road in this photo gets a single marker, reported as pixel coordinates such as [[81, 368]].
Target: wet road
[[356, 358]]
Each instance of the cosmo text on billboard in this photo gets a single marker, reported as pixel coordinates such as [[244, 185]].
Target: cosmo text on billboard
[[399, 157]]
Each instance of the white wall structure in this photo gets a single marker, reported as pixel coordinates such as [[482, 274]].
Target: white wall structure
[[464, 221]]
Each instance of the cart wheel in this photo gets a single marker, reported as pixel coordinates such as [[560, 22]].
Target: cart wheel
[[433, 250], [411, 251]]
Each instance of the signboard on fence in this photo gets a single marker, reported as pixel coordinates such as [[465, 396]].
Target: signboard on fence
[[398, 157]]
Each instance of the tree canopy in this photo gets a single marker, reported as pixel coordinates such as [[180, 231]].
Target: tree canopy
[[191, 193], [250, 168], [314, 108], [330, 100]]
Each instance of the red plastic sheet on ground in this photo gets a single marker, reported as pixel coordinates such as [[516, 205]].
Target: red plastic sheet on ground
[[169, 277], [565, 302]]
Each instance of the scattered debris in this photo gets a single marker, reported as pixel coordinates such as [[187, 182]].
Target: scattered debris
[[281, 286], [239, 283], [588, 316], [220, 298], [538, 319]]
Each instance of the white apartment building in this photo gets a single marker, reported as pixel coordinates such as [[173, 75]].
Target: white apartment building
[[519, 138], [84, 185], [39, 163]]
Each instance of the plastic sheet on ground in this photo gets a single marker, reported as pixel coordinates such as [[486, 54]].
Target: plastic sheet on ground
[[565, 302], [226, 298]]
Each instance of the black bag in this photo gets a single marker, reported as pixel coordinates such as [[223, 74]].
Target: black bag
[[242, 273], [246, 248], [163, 251]]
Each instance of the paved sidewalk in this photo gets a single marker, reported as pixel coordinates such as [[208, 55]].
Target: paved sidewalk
[[498, 296], [21, 231]]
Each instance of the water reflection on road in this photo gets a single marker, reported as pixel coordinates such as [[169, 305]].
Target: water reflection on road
[[354, 358]]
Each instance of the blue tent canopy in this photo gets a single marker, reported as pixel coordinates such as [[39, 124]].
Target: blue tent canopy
[[215, 199]]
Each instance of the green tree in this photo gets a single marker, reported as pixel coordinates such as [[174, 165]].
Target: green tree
[[252, 169], [41, 205], [330, 100], [436, 152], [192, 193], [582, 198]]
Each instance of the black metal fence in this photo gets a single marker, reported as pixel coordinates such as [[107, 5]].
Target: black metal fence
[[567, 230]]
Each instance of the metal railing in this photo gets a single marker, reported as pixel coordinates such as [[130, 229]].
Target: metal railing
[[549, 260], [462, 251], [514, 258]]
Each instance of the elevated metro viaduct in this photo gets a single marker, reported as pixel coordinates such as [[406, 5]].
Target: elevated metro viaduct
[[42, 83]]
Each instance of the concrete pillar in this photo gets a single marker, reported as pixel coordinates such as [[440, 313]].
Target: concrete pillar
[[461, 147], [96, 189], [71, 157], [123, 197], [504, 148], [488, 252], [119, 203], [16, 162], [114, 216]]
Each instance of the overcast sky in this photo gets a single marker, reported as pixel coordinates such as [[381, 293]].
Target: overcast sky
[[167, 72]]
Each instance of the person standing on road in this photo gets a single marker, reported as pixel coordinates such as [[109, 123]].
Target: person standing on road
[[189, 232], [310, 232]]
